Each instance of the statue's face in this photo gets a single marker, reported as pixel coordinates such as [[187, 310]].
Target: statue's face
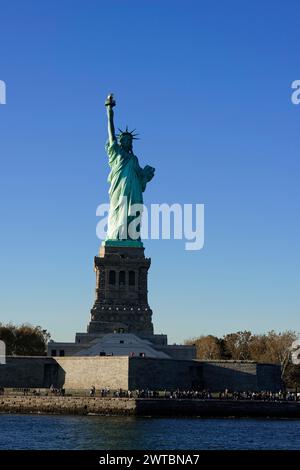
[[126, 141]]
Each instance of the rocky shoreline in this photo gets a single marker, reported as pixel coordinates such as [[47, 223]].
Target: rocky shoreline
[[148, 407]]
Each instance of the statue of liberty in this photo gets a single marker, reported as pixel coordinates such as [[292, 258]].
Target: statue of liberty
[[127, 183]]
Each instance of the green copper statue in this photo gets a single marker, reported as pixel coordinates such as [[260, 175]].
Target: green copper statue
[[127, 183]]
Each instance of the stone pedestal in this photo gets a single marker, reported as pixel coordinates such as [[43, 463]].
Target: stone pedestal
[[121, 303]]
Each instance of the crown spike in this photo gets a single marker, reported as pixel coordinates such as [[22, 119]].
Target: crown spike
[[131, 133]]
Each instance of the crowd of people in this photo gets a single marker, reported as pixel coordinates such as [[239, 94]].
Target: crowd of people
[[168, 394], [57, 391], [199, 394]]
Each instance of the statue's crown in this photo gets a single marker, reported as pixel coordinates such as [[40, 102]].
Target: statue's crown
[[132, 133]]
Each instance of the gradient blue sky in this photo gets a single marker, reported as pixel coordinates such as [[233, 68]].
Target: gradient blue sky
[[208, 85]]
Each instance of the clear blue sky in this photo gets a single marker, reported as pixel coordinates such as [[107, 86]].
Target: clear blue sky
[[207, 84]]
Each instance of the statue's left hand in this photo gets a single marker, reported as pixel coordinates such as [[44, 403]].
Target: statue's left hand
[[149, 172]]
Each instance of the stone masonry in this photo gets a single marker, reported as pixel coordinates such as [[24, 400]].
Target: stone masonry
[[115, 372], [121, 303]]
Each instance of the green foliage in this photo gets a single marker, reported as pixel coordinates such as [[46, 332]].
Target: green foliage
[[24, 340]]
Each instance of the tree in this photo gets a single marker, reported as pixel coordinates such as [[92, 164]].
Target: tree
[[7, 334], [291, 375], [272, 347], [207, 347], [279, 345], [269, 347], [259, 348], [237, 345], [24, 340]]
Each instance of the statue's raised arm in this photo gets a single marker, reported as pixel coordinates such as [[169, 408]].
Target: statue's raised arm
[[110, 103]]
